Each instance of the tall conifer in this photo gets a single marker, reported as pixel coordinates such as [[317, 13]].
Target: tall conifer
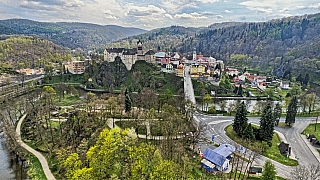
[[267, 123], [292, 111], [240, 121]]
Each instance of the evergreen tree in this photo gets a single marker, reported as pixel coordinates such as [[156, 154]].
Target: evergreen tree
[[269, 171], [127, 102], [240, 90], [267, 123], [277, 114], [248, 132], [240, 121], [292, 111], [299, 78], [306, 79]]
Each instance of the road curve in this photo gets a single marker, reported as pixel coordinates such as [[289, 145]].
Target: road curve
[[41, 158], [217, 124]]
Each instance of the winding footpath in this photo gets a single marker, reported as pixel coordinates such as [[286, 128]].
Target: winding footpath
[[41, 158]]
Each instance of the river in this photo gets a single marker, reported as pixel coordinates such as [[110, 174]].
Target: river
[[8, 168]]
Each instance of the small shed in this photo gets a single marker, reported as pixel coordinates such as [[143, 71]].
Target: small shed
[[284, 148]]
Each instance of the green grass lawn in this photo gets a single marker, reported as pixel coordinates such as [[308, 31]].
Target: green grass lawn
[[283, 125], [310, 130], [129, 124], [68, 100], [270, 152], [35, 170]]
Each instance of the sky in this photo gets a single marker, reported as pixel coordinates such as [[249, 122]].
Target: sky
[[151, 14]]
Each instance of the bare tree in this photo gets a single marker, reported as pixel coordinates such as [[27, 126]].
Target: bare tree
[[198, 134], [310, 172]]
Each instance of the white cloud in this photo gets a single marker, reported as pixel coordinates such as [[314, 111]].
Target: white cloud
[[219, 17], [109, 14], [193, 16], [155, 13], [207, 1], [175, 7], [314, 6], [149, 10], [168, 16]]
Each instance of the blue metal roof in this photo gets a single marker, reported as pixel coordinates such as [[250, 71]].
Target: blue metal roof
[[225, 150], [214, 157], [220, 154]]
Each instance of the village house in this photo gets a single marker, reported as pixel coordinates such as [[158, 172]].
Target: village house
[[231, 71], [30, 71], [284, 85], [180, 70], [217, 159]]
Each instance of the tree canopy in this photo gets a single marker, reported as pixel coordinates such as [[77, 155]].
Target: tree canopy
[[117, 155]]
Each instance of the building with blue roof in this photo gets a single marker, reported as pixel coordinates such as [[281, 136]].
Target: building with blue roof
[[217, 159]]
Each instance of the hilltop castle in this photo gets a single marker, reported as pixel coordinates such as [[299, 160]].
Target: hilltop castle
[[130, 56]]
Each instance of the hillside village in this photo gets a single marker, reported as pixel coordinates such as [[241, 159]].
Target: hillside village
[[202, 68]]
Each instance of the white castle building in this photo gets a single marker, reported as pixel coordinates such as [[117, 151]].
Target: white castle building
[[129, 56]]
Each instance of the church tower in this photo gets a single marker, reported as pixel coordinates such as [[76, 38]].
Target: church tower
[[139, 47], [194, 56]]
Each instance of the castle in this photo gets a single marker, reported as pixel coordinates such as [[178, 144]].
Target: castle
[[130, 56]]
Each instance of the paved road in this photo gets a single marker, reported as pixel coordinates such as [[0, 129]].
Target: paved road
[[217, 124], [293, 136], [41, 158], [188, 88]]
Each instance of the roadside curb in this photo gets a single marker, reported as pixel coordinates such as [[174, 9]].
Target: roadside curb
[[312, 149]]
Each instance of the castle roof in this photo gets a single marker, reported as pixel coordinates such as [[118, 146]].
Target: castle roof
[[150, 52], [115, 50], [130, 52]]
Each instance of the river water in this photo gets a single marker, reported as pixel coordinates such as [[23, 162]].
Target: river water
[[9, 169]]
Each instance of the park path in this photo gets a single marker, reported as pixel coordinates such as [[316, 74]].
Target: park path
[[41, 158]]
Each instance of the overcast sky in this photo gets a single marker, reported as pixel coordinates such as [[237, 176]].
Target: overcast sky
[[150, 14]]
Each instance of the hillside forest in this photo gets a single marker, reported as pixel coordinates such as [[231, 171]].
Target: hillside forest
[[283, 47]]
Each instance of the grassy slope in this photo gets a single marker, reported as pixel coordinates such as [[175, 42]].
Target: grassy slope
[[270, 152]]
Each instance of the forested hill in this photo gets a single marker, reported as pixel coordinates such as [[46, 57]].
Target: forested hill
[[28, 52], [289, 45], [72, 35]]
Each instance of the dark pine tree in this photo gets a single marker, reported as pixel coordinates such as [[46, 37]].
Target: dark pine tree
[[248, 132], [292, 111], [277, 114], [127, 102], [240, 91], [299, 78], [306, 79], [240, 121], [267, 123]]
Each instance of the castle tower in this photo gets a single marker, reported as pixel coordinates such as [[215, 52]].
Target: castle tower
[[194, 56], [139, 47]]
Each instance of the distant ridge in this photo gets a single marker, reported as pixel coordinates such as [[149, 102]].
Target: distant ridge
[[72, 35]]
